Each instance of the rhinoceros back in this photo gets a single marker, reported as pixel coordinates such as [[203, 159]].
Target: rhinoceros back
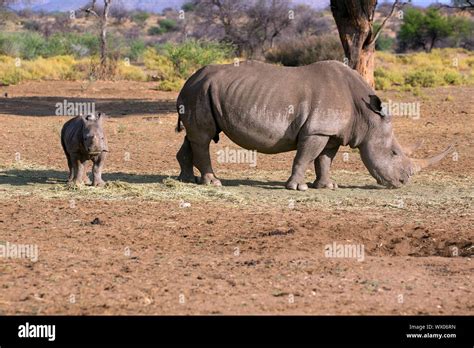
[[264, 107]]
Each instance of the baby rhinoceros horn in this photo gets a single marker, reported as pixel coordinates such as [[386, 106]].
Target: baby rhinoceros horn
[[419, 164]]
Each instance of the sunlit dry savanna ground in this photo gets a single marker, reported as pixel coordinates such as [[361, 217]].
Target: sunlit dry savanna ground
[[251, 246]]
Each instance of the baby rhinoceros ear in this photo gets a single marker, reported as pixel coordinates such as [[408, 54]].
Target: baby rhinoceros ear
[[90, 117], [94, 117]]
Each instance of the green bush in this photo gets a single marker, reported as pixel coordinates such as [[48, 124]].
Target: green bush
[[191, 55], [453, 77], [384, 43], [30, 45], [171, 85], [32, 25], [168, 25], [416, 70], [188, 7], [137, 48], [423, 78], [385, 78], [155, 31], [86, 44], [306, 51], [140, 17], [161, 65]]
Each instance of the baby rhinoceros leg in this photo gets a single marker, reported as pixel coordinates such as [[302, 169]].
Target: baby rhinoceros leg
[[322, 164], [99, 162], [78, 170], [71, 169], [85, 179]]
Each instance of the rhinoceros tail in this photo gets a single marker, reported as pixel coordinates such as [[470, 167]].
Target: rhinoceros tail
[[180, 108], [179, 126]]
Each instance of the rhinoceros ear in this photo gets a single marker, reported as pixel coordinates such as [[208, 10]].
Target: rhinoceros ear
[[93, 117], [375, 104]]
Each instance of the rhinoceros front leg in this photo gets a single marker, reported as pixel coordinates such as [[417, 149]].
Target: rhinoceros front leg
[[85, 179], [322, 165], [71, 169], [97, 170], [78, 169], [309, 147]]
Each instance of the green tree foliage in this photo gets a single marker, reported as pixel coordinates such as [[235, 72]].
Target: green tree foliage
[[425, 29], [155, 31], [188, 6], [168, 24], [191, 55]]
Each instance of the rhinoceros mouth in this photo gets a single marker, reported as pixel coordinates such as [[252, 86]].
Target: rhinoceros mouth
[[95, 153], [387, 184]]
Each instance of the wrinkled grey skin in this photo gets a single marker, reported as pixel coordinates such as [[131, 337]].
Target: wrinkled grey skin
[[83, 139], [312, 109]]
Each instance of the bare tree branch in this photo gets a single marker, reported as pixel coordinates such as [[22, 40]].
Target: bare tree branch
[[91, 9], [469, 6], [392, 11]]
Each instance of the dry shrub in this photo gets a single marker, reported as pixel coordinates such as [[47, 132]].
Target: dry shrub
[[306, 51]]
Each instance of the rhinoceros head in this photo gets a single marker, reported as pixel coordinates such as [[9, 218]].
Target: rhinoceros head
[[387, 161], [93, 135]]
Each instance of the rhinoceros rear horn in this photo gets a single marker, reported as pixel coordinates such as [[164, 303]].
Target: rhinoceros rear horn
[[419, 164], [408, 150]]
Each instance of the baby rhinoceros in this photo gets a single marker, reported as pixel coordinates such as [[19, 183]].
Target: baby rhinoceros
[[83, 139]]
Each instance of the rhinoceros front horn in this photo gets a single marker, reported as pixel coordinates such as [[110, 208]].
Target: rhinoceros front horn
[[408, 150], [419, 164]]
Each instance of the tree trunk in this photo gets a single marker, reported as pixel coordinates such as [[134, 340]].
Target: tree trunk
[[432, 43], [103, 37], [365, 64], [354, 20]]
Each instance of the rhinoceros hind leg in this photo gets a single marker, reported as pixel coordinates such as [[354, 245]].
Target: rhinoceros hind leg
[[185, 160], [322, 165], [309, 147], [202, 161]]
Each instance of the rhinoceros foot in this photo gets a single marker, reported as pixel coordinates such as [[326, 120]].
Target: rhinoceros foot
[[99, 183], [188, 178], [293, 185], [74, 183], [330, 184], [87, 180], [209, 179]]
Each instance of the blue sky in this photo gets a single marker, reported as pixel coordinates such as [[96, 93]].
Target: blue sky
[[158, 5]]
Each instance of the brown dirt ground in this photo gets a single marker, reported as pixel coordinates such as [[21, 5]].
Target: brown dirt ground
[[250, 247]]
